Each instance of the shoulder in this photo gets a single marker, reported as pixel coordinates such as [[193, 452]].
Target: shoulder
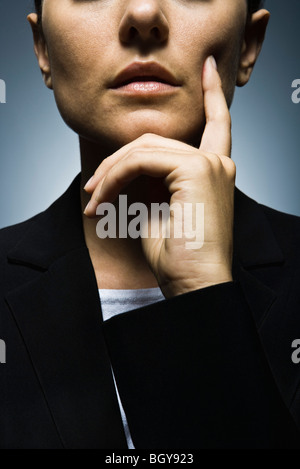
[[11, 235], [264, 231], [11, 274], [277, 217], [49, 228], [286, 229], [33, 245]]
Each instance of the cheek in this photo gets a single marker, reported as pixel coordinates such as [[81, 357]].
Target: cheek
[[227, 49], [75, 50], [220, 38], [75, 53]]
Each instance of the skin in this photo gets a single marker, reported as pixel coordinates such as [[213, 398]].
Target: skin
[[175, 148]]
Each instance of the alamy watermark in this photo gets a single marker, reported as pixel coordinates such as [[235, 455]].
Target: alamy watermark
[[179, 221], [296, 93], [296, 353], [2, 92], [2, 352]]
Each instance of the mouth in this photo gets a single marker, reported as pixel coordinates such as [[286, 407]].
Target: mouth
[[145, 77]]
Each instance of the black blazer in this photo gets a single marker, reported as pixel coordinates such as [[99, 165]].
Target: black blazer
[[208, 369]]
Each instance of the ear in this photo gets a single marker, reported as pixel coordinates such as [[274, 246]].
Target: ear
[[253, 40], [40, 49]]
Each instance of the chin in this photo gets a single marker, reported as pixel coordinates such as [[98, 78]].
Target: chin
[[126, 134], [114, 135]]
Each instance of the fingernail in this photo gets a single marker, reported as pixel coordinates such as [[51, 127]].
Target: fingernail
[[213, 62], [86, 208], [88, 183]]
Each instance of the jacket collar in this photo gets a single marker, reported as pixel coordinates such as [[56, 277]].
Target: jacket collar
[[53, 233], [261, 269], [254, 240]]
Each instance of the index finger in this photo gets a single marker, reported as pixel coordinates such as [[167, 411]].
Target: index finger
[[217, 133]]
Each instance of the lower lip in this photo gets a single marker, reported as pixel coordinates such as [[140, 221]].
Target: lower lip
[[146, 87]]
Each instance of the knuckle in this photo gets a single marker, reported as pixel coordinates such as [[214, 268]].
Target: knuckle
[[230, 163], [147, 138], [204, 165], [214, 160], [230, 167], [233, 172]]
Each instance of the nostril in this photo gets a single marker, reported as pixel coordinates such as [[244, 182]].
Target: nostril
[[143, 26], [132, 33], [155, 32]]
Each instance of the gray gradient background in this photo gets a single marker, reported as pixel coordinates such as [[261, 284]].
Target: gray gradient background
[[39, 155]]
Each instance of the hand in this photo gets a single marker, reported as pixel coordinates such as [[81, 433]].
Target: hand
[[205, 176]]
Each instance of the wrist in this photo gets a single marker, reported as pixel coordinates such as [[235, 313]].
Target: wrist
[[187, 285]]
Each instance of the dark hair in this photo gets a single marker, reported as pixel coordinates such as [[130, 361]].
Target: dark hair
[[253, 5], [38, 7]]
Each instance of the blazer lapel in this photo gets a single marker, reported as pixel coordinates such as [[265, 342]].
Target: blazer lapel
[[59, 316], [259, 266], [255, 247]]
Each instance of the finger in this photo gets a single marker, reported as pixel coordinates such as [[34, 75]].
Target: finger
[[156, 142], [217, 133], [147, 163], [102, 169]]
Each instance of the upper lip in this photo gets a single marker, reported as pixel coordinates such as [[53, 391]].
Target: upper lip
[[139, 71]]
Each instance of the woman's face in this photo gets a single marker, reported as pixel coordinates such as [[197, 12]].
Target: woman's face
[[89, 42]]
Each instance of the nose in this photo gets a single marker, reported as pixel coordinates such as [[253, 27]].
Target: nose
[[144, 22]]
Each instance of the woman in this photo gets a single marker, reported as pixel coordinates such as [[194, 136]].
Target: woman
[[193, 361]]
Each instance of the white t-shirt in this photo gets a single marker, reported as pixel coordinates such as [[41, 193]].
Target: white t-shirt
[[114, 302]]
